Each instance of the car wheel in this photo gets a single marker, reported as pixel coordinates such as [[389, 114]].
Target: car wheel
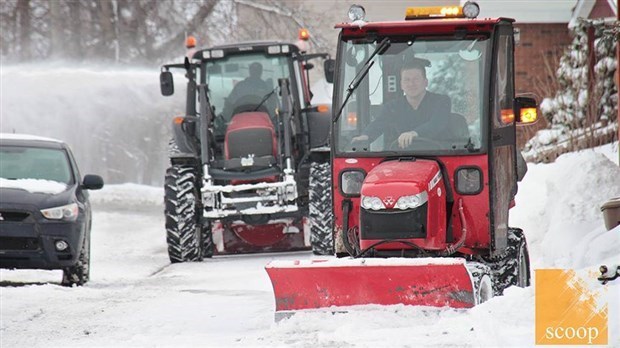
[[79, 273]]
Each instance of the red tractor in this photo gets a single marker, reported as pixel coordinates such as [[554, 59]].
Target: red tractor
[[248, 154], [424, 166]]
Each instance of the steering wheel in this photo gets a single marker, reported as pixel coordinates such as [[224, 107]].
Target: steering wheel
[[420, 143]]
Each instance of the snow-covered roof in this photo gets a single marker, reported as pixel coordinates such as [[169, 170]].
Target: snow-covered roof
[[12, 136], [528, 11], [583, 8]]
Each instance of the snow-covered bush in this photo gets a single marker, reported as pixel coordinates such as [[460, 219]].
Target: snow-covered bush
[[586, 101]]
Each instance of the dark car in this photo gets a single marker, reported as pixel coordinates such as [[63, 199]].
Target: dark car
[[45, 215]]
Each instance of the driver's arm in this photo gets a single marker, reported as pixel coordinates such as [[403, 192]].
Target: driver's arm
[[372, 131]]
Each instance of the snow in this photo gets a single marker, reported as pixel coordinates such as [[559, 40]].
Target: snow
[[34, 185], [395, 261], [11, 136], [137, 298]]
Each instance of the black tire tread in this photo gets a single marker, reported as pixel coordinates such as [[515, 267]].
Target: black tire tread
[[181, 211], [505, 267], [320, 209]]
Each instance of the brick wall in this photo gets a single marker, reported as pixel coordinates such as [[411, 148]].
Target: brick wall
[[540, 43]]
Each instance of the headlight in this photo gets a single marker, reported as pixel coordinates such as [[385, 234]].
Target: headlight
[[372, 203], [66, 212], [410, 202], [356, 13], [351, 182], [468, 181], [471, 9]]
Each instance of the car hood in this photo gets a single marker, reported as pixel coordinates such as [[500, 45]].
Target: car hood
[[19, 197]]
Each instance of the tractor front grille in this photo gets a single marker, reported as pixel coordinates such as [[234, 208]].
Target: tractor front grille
[[394, 223]]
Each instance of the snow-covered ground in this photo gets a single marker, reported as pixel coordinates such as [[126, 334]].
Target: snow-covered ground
[[136, 298]]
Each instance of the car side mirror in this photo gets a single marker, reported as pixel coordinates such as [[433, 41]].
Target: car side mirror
[[329, 66], [92, 182], [526, 110], [166, 84]]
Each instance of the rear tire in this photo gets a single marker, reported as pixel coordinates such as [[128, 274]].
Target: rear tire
[[482, 281], [183, 232], [79, 274], [513, 266], [320, 209]]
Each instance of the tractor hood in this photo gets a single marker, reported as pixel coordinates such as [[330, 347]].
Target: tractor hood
[[400, 178]]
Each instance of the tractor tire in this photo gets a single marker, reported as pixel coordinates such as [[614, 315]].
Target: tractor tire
[[320, 209], [482, 278], [207, 241], [513, 266], [183, 232], [79, 274]]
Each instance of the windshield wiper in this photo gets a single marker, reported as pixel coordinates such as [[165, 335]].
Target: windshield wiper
[[359, 77], [470, 146], [265, 98]]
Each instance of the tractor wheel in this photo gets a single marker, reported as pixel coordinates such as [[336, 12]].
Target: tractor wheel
[[320, 209], [79, 273], [481, 276], [513, 266], [183, 233], [207, 241]]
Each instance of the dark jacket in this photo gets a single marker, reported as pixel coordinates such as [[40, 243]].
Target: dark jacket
[[429, 120]]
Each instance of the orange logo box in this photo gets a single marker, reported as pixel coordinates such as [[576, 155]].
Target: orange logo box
[[567, 311]]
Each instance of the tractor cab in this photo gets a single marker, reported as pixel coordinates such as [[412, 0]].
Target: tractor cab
[[425, 103], [424, 165], [249, 137]]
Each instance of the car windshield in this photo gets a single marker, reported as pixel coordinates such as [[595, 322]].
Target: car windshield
[[245, 82], [421, 95], [18, 162]]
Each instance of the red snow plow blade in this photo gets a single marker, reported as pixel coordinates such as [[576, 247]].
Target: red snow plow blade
[[300, 285]]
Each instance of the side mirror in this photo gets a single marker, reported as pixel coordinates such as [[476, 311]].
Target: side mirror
[[166, 84], [92, 182], [526, 110], [329, 66]]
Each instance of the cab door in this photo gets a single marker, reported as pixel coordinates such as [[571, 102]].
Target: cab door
[[502, 136]]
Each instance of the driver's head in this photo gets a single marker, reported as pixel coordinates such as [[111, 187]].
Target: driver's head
[[256, 70], [413, 77]]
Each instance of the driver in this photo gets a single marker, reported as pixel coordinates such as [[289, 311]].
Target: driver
[[417, 112], [251, 86]]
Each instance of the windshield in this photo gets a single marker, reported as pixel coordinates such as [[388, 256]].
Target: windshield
[[246, 82], [423, 95], [34, 163]]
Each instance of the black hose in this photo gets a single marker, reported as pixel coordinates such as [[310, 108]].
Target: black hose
[[451, 249]]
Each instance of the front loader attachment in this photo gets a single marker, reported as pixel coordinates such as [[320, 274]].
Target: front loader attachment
[[314, 284]]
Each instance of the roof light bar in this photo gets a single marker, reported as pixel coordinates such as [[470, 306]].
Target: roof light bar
[[434, 12]]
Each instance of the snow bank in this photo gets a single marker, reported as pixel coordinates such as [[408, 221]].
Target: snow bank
[[128, 196], [558, 207]]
